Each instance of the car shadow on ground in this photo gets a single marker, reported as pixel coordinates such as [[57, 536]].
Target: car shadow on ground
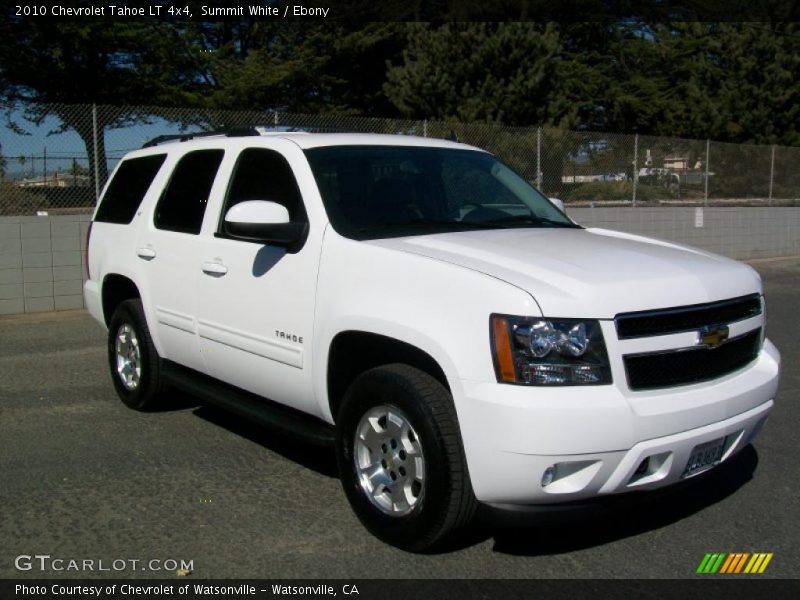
[[299, 452], [623, 516], [629, 515], [172, 400]]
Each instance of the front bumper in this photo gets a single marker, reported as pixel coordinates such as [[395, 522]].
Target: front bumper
[[596, 438]]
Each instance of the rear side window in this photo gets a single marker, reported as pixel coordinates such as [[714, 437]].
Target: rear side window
[[262, 174], [183, 203], [127, 189]]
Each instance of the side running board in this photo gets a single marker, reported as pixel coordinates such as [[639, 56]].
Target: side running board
[[269, 414]]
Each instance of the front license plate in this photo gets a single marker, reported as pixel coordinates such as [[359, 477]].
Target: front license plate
[[703, 457]]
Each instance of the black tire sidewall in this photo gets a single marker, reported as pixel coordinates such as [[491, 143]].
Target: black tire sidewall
[[418, 530], [131, 312]]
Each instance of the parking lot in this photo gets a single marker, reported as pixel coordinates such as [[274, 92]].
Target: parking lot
[[82, 477]]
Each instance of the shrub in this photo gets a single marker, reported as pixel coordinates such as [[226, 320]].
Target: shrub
[[17, 201], [604, 191]]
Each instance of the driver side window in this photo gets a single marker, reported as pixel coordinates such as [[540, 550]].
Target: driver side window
[[262, 174]]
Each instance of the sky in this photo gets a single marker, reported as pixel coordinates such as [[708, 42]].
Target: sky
[[61, 148]]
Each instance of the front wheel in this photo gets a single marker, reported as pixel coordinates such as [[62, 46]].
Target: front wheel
[[401, 458]]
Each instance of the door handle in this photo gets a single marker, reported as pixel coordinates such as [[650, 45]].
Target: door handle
[[146, 253], [214, 268]]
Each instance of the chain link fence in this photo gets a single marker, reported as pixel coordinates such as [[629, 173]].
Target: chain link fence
[[55, 158]]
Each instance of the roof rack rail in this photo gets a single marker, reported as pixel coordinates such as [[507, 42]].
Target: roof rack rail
[[184, 137]]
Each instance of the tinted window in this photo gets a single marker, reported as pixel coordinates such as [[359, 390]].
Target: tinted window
[[464, 184], [127, 189], [183, 203], [262, 174], [383, 191]]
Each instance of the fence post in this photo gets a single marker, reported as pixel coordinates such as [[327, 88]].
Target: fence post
[[425, 128], [96, 166], [275, 118], [708, 154], [635, 167], [771, 172], [539, 158]]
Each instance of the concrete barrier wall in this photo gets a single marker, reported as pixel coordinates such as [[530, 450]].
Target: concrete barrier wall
[[738, 232], [42, 269], [41, 263]]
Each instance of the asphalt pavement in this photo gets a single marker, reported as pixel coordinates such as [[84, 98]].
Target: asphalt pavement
[[84, 478]]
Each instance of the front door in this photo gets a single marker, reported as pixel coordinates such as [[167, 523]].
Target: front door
[[256, 301]]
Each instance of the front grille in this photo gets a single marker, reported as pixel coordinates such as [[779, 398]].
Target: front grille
[[686, 318], [692, 365]]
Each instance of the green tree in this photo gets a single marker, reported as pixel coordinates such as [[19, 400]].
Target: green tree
[[744, 83], [47, 65], [298, 66], [728, 81], [732, 82], [493, 72]]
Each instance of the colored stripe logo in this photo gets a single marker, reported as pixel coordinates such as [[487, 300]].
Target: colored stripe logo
[[734, 563]]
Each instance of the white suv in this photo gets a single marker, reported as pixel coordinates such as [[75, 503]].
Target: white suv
[[420, 306]]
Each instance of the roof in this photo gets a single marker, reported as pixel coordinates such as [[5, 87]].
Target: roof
[[316, 140], [305, 140]]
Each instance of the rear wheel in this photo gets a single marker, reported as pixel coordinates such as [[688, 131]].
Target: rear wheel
[[133, 358], [401, 459]]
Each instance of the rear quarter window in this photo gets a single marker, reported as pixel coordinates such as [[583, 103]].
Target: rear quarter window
[[127, 189]]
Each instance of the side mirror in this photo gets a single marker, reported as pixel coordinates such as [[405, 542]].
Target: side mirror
[[559, 204], [264, 222]]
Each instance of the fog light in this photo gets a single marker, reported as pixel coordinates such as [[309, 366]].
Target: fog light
[[547, 477]]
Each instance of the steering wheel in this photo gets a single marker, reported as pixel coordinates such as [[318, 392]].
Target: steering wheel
[[457, 209], [481, 213]]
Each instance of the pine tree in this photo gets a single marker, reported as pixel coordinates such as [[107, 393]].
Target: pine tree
[[492, 72]]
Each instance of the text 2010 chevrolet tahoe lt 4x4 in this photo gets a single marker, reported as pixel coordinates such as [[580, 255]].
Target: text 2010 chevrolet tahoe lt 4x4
[[418, 304]]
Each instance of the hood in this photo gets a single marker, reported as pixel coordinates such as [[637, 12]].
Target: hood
[[588, 273]]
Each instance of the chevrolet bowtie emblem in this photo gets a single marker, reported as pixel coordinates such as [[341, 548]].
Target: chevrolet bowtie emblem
[[712, 336]]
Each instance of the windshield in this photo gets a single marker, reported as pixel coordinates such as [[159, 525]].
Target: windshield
[[386, 191]]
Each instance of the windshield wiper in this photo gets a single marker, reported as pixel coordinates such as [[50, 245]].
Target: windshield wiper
[[533, 220]]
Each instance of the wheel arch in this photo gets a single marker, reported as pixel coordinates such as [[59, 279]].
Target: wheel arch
[[116, 289], [352, 352]]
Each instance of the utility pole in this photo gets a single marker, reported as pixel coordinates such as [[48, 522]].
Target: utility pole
[[635, 166], [539, 158], [771, 172], [708, 153], [96, 166]]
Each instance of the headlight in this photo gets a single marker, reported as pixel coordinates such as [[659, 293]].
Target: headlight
[[541, 351]]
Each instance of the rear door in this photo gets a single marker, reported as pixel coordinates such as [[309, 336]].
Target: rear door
[[170, 248]]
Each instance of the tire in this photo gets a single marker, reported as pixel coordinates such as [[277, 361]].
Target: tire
[[139, 386], [418, 509]]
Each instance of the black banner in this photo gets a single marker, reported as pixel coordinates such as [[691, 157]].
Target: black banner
[[705, 587], [418, 10]]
